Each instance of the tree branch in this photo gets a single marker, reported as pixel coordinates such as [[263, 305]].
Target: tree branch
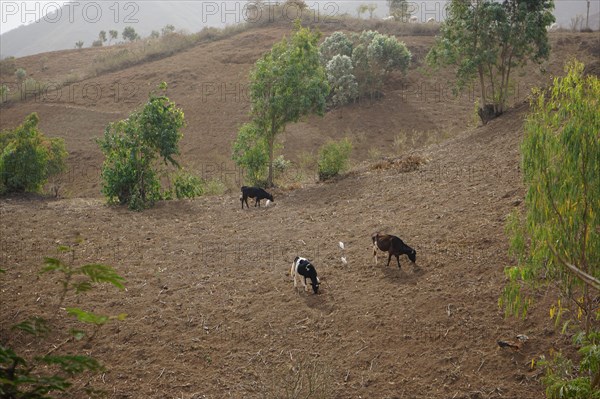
[[589, 280]]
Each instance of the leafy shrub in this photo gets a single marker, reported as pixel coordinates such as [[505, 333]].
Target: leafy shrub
[[132, 148], [333, 158], [250, 151], [187, 185], [28, 158]]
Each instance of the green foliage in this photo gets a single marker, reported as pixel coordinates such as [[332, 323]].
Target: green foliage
[[187, 185], [558, 237], [344, 87], [399, 9], [286, 84], [18, 379], [251, 152], [20, 74], [113, 35], [333, 158], [335, 44], [102, 36], [132, 148], [563, 380], [130, 34], [154, 34], [167, 30], [79, 44], [28, 158], [557, 240], [42, 376], [487, 40], [372, 56], [90, 274]]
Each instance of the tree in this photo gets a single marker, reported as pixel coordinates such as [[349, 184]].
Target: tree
[[361, 9], [113, 35], [102, 36], [558, 238], [168, 29], [132, 148], [335, 44], [374, 56], [485, 39], [286, 84], [28, 158], [130, 34], [154, 34], [399, 9], [341, 80], [79, 44], [371, 8]]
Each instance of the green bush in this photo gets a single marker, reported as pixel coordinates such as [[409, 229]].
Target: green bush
[[28, 158], [333, 158], [187, 185]]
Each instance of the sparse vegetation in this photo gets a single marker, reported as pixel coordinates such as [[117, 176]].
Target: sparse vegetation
[[79, 44], [36, 375]]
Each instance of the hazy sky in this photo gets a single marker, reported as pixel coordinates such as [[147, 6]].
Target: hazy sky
[[14, 13]]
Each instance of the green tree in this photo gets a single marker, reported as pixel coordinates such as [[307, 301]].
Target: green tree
[[361, 9], [557, 241], [130, 34], [28, 158], [113, 35], [286, 84], [167, 30], [371, 8], [154, 34], [341, 80], [132, 148], [102, 36], [486, 40], [79, 44], [399, 9], [376, 55], [335, 44]]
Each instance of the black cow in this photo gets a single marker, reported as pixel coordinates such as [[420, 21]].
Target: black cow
[[256, 193]]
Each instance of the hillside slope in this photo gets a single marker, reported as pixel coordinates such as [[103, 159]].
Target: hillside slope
[[212, 311], [210, 83]]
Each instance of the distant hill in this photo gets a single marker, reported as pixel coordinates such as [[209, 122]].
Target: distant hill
[[62, 29]]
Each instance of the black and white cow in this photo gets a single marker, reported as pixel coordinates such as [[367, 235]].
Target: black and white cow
[[303, 269]]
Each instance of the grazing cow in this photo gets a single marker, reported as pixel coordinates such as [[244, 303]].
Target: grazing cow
[[394, 246], [553, 28], [256, 193], [302, 268], [431, 20], [413, 19]]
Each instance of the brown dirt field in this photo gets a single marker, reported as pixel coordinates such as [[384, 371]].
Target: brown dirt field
[[212, 312]]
